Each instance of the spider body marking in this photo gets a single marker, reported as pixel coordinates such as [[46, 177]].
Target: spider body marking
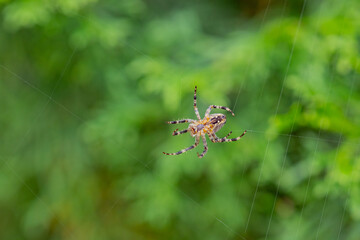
[[211, 124], [199, 128]]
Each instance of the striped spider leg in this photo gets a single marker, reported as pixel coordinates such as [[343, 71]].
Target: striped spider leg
[[197, 139], [215, 138], [207, 113], [205, 147], [195, 106]]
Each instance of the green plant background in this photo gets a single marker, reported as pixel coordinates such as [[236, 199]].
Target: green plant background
[[86, 87]]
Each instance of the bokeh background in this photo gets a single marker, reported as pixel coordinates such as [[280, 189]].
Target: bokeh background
[[86, 87]]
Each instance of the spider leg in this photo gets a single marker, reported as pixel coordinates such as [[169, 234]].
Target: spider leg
[[205, 147], [215, 138], [195, 107], [180, 121], [176, 132], [197, 139], [228, 134], [212, 137], [225, 139], [207, 113]]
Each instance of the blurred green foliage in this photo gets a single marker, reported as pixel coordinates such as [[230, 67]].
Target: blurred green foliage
[[86, 87]]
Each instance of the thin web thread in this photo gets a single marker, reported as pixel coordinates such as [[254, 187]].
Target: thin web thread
[[327, 193], [315, 151], [6, 162], [349, 141], [276, 112], [316, 147], [49, 99], [41, 92], [242, 83], [248, 65], [185, 194], [262, 89], [333, 165], [353, 173], [281, 172], [309, 180], [36, 195]]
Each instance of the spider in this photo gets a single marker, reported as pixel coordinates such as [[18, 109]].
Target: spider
[[209, 125]]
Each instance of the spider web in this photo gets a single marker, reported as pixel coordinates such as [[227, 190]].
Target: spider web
[[49, 99], [290, 136], [276, 112], [316, 149]]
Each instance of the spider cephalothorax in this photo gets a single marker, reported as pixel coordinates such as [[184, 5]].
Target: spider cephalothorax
[[209, 125]]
